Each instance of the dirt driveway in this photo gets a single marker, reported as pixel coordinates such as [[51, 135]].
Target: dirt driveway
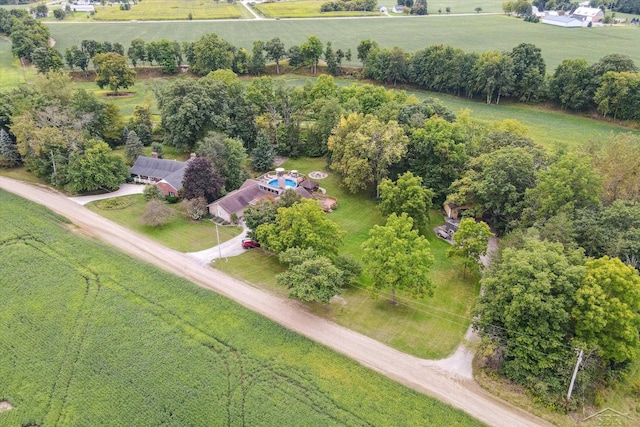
[[421, 375]]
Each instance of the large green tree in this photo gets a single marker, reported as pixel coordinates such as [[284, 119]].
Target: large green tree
[[407, 195], [112, 70], [46, 59], [470, 242], [363, 149], [529, 71], [496, 184], [312, 51], [95, 168], [617, 162], [607, 311], [227, 156], [275, 51], [398, 258], [494, 75], [526, 310], [303, 225], [570, 183], [310, 277], [263, 154], [572, 84], [437, 153], [210, 53]]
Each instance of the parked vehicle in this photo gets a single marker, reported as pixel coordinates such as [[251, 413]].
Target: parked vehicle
[[250, 244]]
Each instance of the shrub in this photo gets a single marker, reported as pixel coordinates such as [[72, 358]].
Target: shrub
[[196, 208], [157, 213], [152, 192]]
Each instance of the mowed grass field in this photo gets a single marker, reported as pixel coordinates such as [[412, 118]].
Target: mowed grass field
[[11, 73], [470, 33], [304, 9], [429, 327], [172, 9], [91, 336]]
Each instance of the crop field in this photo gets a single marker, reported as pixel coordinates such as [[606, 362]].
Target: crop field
[[304, 9], [429, 327], [471, 33], [172, 9], [93, 337]]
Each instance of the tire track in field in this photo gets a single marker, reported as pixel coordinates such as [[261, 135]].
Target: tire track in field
[[305, 390]]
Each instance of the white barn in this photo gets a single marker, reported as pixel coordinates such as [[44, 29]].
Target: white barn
[[561, 21]]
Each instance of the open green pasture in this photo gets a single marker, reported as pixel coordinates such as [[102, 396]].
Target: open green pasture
[[471, 33], [551, 128], [303, 9], [181, 233], [429, 327], [91, 336], [159, 10], [11, 73]]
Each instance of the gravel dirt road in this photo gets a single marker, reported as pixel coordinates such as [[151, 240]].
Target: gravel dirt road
[[421, 375]]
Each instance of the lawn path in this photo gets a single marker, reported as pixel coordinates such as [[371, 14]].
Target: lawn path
[[421, 375]]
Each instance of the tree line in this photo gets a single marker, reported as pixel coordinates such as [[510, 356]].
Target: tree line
[[611, 85]]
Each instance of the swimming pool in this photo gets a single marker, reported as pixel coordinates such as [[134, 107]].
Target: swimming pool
[[289, 183]]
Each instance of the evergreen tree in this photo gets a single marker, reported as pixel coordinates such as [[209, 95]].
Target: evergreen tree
[[133, 147], [9, 155], [262, 156]]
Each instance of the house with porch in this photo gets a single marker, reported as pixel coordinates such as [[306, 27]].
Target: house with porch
[[165, 174]]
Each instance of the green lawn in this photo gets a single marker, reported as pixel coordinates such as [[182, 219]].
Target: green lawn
[[91, 336], [471, 33], [430, 327], [303, 9], [181, 234], [11, 74]]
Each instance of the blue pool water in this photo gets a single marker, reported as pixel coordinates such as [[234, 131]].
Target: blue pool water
[[289, 183]]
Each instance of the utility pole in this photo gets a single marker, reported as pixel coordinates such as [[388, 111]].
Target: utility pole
[[575, 374]]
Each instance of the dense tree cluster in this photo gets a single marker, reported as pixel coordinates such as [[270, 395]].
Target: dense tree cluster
[[26, 33], [60, 135], [352, 5]]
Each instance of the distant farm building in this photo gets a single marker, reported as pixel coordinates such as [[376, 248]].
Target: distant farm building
[[588, 14], [561, 21]]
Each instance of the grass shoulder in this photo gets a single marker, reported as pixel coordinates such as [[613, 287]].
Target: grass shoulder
[[181, 233]]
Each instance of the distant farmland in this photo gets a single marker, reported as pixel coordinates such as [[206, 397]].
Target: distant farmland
[[471, 33]]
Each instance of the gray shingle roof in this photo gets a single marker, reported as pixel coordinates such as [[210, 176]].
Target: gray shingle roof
[[241, 198], [156, 168], [171, 171]]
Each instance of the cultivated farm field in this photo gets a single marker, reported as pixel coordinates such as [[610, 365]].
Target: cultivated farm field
[[171, 10], [470, 33], [92, 337], [304, 9]]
